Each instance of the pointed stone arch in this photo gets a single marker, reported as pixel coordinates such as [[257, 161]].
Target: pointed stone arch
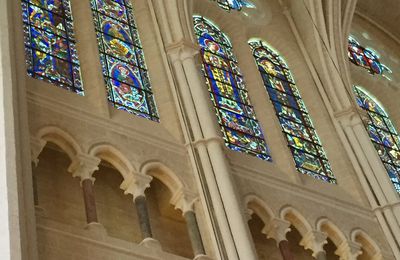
[[293, 216], [115, 157], [367, 243], [162, 172], [254, 204], [59, 137], [332, 230]]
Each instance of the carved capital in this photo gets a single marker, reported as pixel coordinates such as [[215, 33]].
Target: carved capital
[[182, 50], [137, 185], [83, 166], [37, 146], [315, 241], [277, 229], [184, 200], [352, 116], [348, 250]]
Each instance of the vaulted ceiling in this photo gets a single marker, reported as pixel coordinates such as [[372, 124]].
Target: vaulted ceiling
[[384, 12]]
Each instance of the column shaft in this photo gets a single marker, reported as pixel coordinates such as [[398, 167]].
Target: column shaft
[[143, 214], [90, 202], [285, 250], [321, 256], [222, 175], [194, 233], [35, 191]]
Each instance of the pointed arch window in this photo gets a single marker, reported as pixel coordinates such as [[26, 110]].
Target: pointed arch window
[[383, 134], [235, 4], [366, 58], [303, 141], [50, 43], [122, 58], [228, 93]]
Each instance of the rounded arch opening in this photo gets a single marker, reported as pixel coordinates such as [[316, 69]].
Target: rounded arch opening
[[293, 216], [115, 157], [370, 249], [61, 139], [164, 174]]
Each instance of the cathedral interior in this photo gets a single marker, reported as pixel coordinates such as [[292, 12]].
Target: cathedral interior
[[200, 129]]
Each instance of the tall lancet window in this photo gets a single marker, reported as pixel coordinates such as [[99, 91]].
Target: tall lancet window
[[366, 58], [383, 134], [228, 93], [303, 141], [124, 68], [50, 43]]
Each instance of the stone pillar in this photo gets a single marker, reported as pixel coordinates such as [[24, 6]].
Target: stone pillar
[[90, 202], [315, 241], [277, 229], [83, 166], [356, 143], [194, 233], [285, 250], [203, 132], [143, 214], [184, 200], [214, 143], [137, 187]]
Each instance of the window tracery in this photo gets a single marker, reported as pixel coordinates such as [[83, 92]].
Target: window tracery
[[303, 141], [236, 116], [122, 58], [50, 43], [383, 134], [366, 58]]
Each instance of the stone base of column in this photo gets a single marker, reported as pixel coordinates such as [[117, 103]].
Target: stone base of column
[[151, 243], [202, 257], [96, 230]]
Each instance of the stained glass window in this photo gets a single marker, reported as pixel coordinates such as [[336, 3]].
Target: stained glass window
[[50, 44], [366, 58], [303, 141], [121, 54], [383, 134], [228, 93], [235, 4]]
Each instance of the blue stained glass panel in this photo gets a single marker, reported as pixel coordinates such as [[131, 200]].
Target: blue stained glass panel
[[235, 4], [366, 58], [225, 83], [303, 141], [124, 68], [50, 44], [382, 133]]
